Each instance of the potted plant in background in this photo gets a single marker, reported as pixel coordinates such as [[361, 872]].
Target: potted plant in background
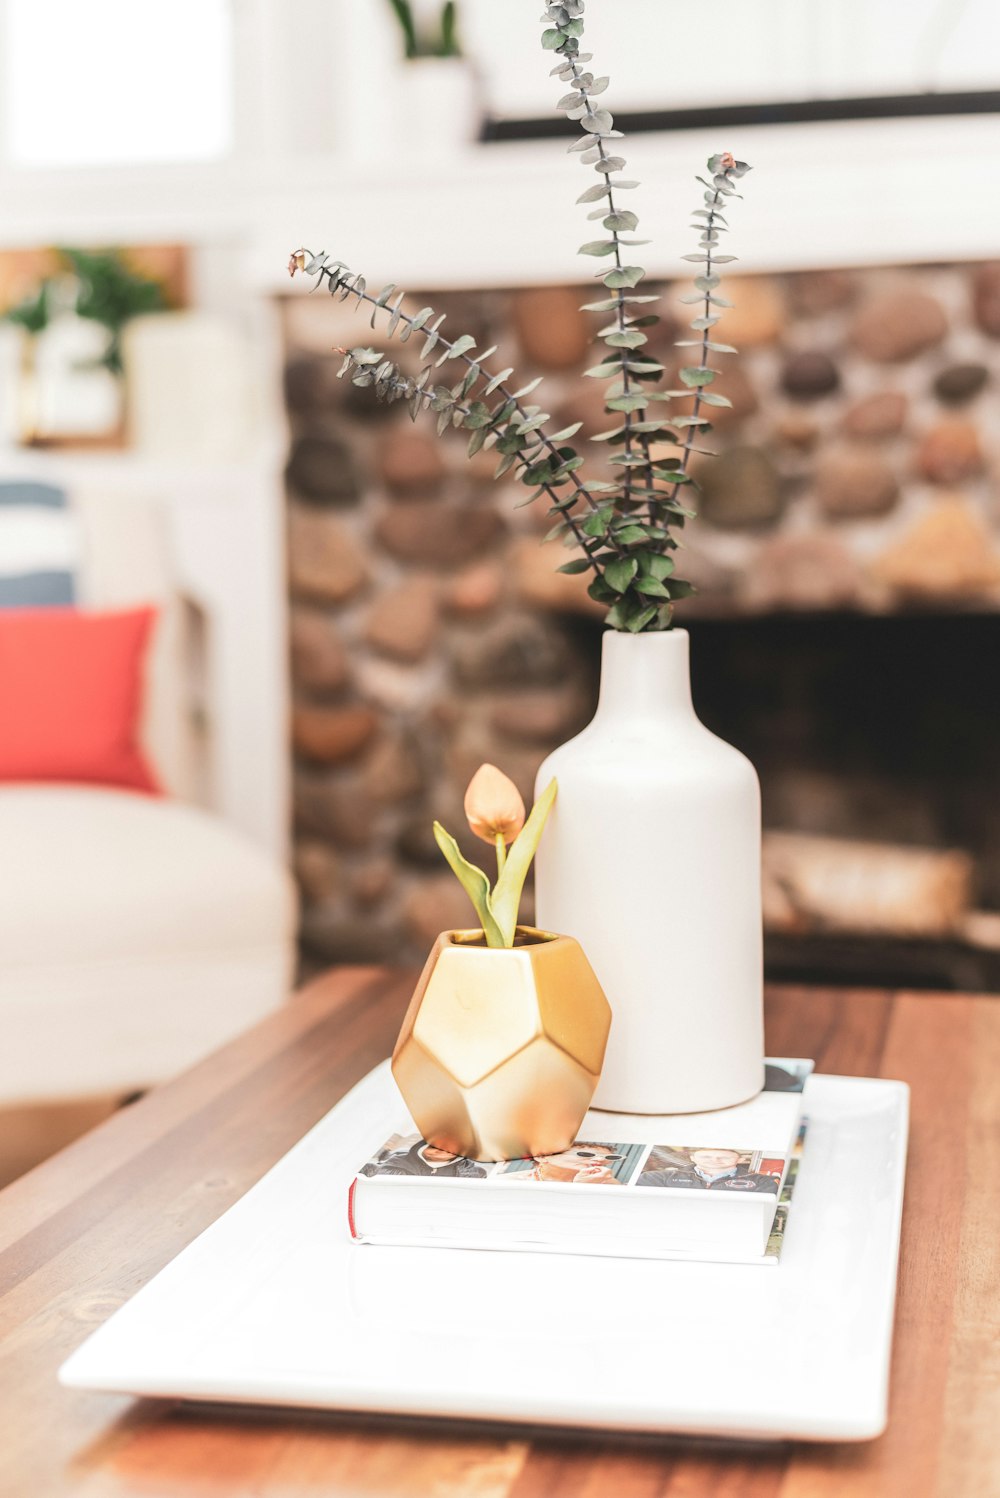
[[437, 96], [72, 385], [653, 854], [502, 1044]]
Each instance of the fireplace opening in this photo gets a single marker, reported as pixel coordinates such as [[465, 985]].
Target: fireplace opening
[[879, 730]]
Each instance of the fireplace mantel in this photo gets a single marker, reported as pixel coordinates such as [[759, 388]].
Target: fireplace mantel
[[875, 192], [831, 194]]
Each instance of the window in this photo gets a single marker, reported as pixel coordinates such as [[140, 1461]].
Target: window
[[114, 82]]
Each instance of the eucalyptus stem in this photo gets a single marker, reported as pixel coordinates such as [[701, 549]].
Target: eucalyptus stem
[[626, 530], [501, 389], [395, 385], [688, 443]]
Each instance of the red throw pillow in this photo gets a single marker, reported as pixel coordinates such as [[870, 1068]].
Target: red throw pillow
[[71, 695]]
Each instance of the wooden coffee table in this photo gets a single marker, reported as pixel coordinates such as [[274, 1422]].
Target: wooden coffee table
[[82, 1233]]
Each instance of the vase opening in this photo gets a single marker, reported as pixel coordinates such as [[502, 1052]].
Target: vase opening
[[524, 936]]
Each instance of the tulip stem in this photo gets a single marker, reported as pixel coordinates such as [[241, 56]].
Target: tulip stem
[[501, 853]]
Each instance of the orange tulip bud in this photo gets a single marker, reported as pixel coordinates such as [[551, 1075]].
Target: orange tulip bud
[[493, 805]]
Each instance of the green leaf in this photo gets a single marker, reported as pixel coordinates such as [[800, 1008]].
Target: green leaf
[[532, 424], [506, 897], [631, 338], [551, 40], [714, 400], [596, 525], [661, 567], [639, 621], [578, 564], [597, 247], [598, 122], [651, 587], [627, 403], [475, 884], [619, 573], [697, 376], [498, 380], [462, 346], [478, 415], [631, 535], [624, 219], [569, 431], [594, 194], [626, 275]]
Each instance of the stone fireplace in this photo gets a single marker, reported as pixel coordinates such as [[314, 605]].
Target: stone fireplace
[[845, 633]]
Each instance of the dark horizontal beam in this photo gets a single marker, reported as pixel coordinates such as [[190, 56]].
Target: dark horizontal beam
[[789, 112]]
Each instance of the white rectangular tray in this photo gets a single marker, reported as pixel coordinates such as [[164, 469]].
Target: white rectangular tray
[[275, 1305]]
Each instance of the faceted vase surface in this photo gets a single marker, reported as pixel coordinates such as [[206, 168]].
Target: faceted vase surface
[[501, 1048]]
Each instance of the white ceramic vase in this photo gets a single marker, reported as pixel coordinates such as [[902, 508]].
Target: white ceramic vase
[[651, 859]]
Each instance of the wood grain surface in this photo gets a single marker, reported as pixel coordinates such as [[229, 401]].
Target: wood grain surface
[[83, 1232]]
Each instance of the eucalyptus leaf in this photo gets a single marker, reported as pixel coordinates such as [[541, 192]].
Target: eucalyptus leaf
[[623, 219], [619, 573], [625, 275], [598, 122]]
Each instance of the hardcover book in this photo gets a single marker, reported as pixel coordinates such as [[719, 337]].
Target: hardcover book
[[694, 1186]]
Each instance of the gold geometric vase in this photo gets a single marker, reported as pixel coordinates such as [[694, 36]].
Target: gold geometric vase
[[502, 1047]]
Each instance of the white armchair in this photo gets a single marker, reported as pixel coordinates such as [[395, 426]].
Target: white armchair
[[139, 933]]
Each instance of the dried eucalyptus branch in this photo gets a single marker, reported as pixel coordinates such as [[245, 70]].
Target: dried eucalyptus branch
[[625, 530], [698, 376], [643, 512], [516, 430], [368, 367]]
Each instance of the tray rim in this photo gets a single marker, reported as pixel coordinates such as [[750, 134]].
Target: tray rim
[[82, 1369]]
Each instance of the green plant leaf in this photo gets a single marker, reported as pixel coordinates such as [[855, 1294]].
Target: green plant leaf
[[476, 886], [598, 122], [626, 275], [619, 573], [624, 219], [637, 622], [696, 376], [651, 587], [506, 898]]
